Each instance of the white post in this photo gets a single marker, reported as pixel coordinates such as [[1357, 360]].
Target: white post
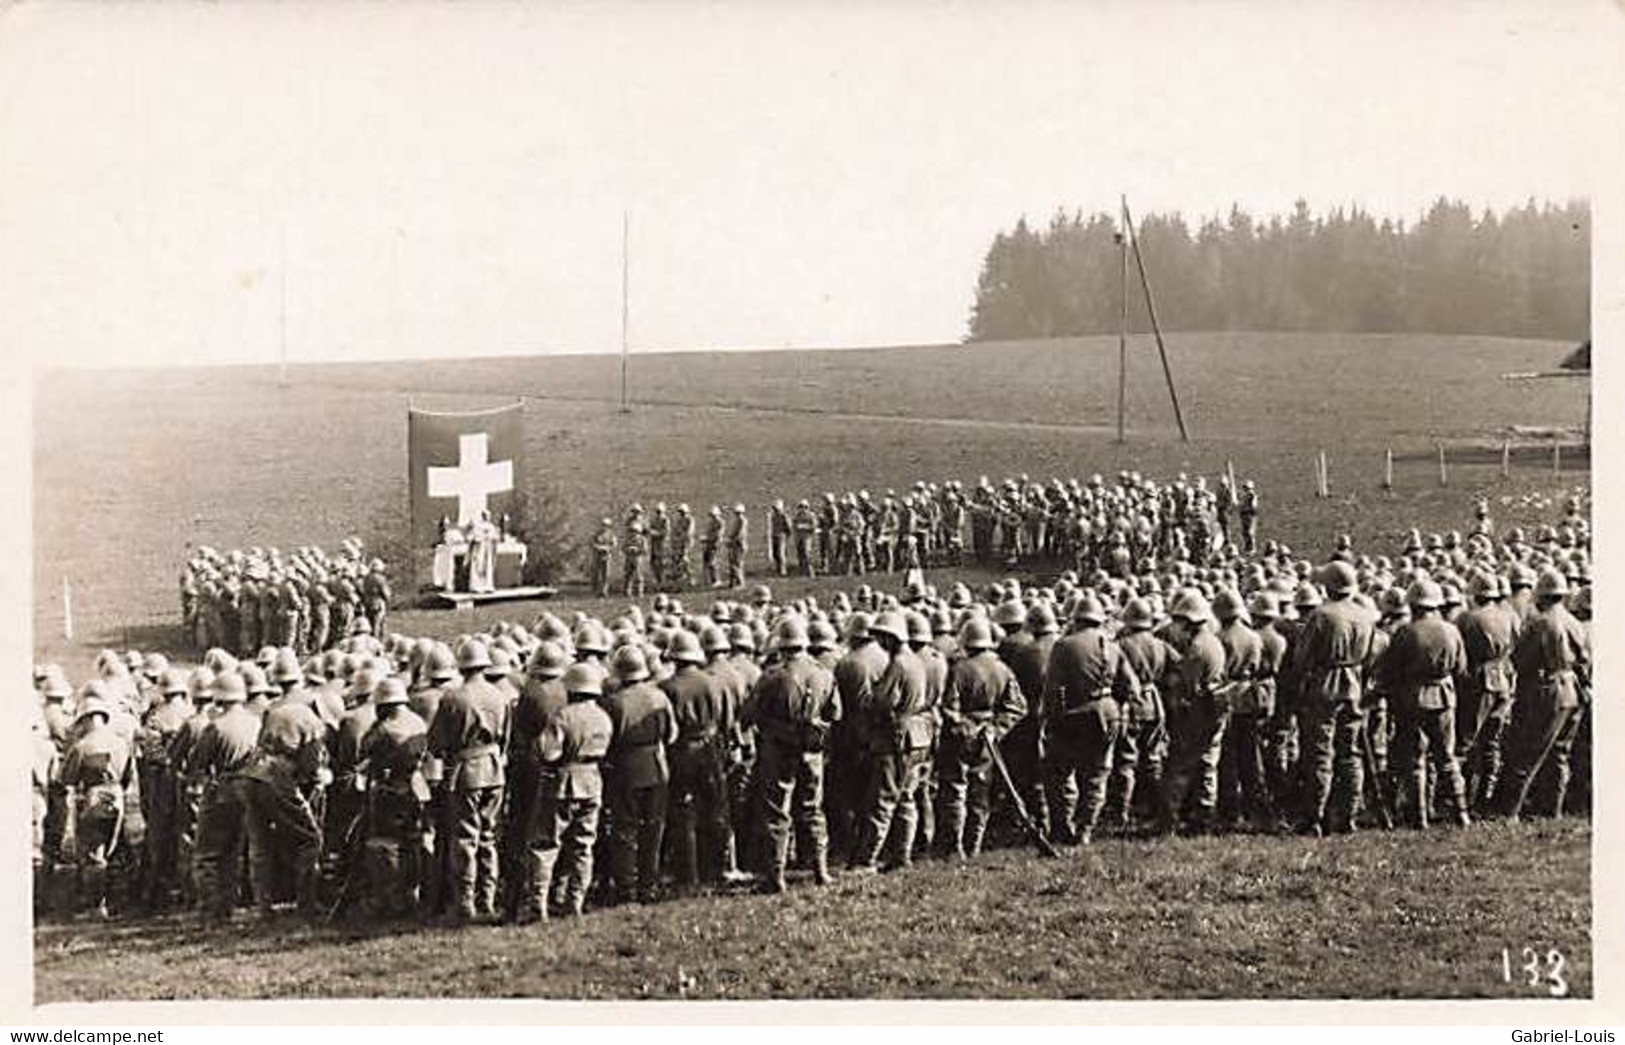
[[1506, 459], [1444, 474], [1325, 476], [67, 610], [1557, 456], [1388, 469]]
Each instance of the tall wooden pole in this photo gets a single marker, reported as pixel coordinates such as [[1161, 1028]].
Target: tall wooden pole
[[1156, 328], [282, 313], [626, 224], [1122, 333]]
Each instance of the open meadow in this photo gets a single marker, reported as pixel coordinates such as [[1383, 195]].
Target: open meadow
[[132, 469]]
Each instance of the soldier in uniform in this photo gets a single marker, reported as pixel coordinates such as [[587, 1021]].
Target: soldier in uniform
[[1247, 510], [224, 750], [738, 544], [659, 532], [1242, 774], [1086, 683], [899, 745], [434, 859], [778, 538], [467, 734], [603, 548], [321, 613], [97, 770], [1489, 631], [680, 574], [289, 769], [160, 788], [804, 526], [1142, 746], [699, 763], [376, 595], [643, 728], [710, 541], [1328, 661], [542, 695], [191, 781], [1553, 664], [1030, 636], [795, 704], [564, 821], [1424, 659], [634, 547], [393, 751], [982, 703]]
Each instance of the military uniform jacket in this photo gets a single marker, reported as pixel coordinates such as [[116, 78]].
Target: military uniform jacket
[[1152, 659], [982, 690], [643, 726], [538, 701], [1490, 634], [700, 705], [158, 729], [98, 765], [1331, 652], [426, 703], [469, 731], [1085, 667], [1202, 670], [855, 676], [571, 745], [796, 702], [1243, 659], [898, 706], [1424, 658], [290, 730], [393, 750], [1553, 657], [227, 745]]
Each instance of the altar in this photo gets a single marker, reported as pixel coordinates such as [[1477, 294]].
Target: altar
[[451, 558]]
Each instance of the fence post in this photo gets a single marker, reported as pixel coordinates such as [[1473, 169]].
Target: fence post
[[1506, 459], [1557, 456], [1325, 476], [1444, 473], [1388, 469]]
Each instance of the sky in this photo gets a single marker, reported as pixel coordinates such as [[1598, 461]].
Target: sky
[[184, 183]]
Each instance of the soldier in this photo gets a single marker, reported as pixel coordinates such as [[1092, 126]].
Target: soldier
[[795, 704], [634, 547], [321, 613], [829, 525], [541, 697], [659, 532], [564, 822], [682, 539], [1489, 631], [393, 751], [1086, 682], [603, 548], [1328, 659], [467, 734], [982, 703], [1247, 509], [920, 640], [376, 595], [710, 541], [347, 804], [644, 727], [699, 787], [1142, 746], [45, 777], [1553, 663], [97, 770], [290, 767], [899, 744], [1030, 636], [434, 858], [224, 750], [190, 779], [1251, 705], [804, 526], [1419, 671], [738, 543], [778, 538], [345, 599], [160, 788]]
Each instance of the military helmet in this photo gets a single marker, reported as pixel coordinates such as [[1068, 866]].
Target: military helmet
[[254, 680], [584, 679], [821, 635], [741, 638], [591, 637], [761, 594], [976, 635], [200, 685], [1425, 594], [1484, 587], [1551, 584], [1010, 614], [714, 640], [1192, 606], [285, 667], [439, 665], [890, 622], [473, 656], [1452, 595], [362, 626], [858, 625], [1341, 579], [56, 686], [684, 648], [919, 628], [173, 682], [1041, 619], [228, 688], [1089, 610], [1262, 606], [792, 633], [1227, 605], [1137, 615], [549, 660], [153, 665], [629, 664], [389, 691], [1521, 576], [501, 659]]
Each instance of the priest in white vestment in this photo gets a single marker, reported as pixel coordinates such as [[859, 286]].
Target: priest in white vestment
[[483, 539]]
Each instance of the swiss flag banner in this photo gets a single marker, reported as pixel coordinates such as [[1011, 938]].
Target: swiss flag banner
[[462, 464]]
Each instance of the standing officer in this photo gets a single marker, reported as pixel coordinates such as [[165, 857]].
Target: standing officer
[[644, 727], [795, 704], [778, 538], [738, 544], [1553, 662], [848, 771], [282, 823], [1329, 657], [564, 822], [659, 533], [634, 547], [899, 745], [160, 788], [1247, 509], [710, 541], [1030, 637], [1419, 671], [1086, 680], [467, 735], [982, 703], [680, 571], [1205, 712], [804, 525], [603, 547]]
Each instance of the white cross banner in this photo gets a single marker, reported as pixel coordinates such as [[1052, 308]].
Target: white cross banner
[[462, 464]]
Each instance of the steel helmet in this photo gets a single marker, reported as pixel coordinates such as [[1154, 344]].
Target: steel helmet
[[1041, 620], [1010, 614], [761, 594], [440, 665], [714, 640], [1307, 596], [821, 635], [792, 633], [285, 668], [630, 665], [976, 635], [366, 678], [1425, 594], [891, 623], [919, 629], [858, 625], [1452, 595], [228, 688], [741, 638], [584, 679], [362, 626], [501, 660], [1551, 584], [173, 682], [685, 649], [200, 685], [1484, 587], [1227, 605], [1089, 610], [1341, 579], [389, 691], [254, 679], [473, 655], [1521, 576], [1192, 606], [591, 637], [1137, 615], [1262, 606], [549, 661], [154, 665]]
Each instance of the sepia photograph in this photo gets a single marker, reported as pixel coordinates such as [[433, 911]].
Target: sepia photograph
[[808, 502]]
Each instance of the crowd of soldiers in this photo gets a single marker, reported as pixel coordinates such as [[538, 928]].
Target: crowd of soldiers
[[523, 773], [242, 601], [1089, 525]]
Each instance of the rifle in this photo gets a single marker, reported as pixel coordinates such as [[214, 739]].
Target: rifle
[[1379, 784], [1045, 846], [352, 861]]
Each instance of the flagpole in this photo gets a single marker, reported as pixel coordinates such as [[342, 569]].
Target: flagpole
[[626, 223], [282, 336]]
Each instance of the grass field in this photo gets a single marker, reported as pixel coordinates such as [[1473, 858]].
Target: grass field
[[130, 469], [1367, 916]]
